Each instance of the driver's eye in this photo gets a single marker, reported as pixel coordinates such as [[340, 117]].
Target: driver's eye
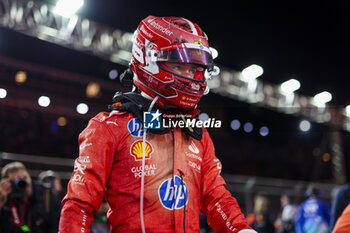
[[179, 68], [193, 70]]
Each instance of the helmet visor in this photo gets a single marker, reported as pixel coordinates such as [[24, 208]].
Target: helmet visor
[[186, 53]]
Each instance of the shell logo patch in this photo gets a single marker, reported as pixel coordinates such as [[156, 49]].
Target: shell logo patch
[[136, 150]]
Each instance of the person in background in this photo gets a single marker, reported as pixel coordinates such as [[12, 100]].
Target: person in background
[[155, 178], [286, 222], [23, 203], [51, 180], [340, 201], [260, 220], [100, 223], [313, 214]]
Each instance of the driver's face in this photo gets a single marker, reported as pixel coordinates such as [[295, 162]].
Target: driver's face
[[184, 69]]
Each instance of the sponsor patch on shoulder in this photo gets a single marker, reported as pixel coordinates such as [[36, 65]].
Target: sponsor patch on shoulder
[[135, 127]]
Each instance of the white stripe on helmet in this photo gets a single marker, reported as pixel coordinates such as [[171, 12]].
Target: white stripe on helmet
[[193, 28]]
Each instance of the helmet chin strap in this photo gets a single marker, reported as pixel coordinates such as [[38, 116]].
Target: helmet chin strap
[[143, 166]]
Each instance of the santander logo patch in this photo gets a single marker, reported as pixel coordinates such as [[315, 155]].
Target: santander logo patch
[[193, 148]]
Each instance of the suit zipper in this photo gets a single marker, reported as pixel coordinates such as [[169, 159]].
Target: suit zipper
[[182, 179]]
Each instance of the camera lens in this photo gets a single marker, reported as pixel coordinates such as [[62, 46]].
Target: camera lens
[[21, 184], [18, 188]]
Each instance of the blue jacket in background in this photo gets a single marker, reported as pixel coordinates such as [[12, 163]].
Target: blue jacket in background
[[313, 217]]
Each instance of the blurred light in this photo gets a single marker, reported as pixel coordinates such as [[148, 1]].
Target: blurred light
[[326, 157], [54, 126], [68, 8], [248, 127], [21, 77], [290, 86], [44, 101], [92, 90], [235, 124], [322, 98], [120, 55], [113, 74], [252, 72], [203, 117], [82, 108], [214, 52], [347, 110], [305, 125], [264, 131], [3, 93], [61, 121]]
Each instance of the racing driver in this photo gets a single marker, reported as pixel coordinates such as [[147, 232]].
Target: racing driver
[[155, 178]]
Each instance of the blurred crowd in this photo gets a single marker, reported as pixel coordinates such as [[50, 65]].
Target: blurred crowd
[[313, 215], [28, 205], [34, 206]]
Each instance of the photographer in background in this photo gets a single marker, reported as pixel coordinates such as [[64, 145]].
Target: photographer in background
[[23, 205], [51, 180]]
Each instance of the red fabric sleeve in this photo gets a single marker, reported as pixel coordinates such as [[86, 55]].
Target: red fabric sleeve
[[222, 210], [343, 223], [87, 185]]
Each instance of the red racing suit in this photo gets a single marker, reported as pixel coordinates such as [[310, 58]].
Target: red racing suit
[[179, 172]]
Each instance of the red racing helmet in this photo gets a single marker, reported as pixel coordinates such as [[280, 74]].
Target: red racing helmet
[[160, 41]]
